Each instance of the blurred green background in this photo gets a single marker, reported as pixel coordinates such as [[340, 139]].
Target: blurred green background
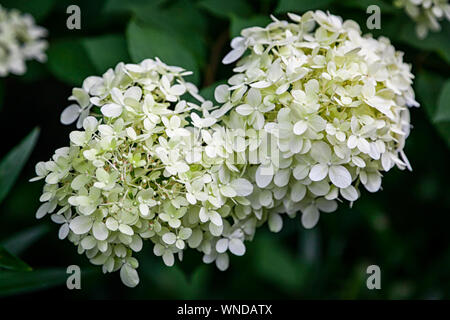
[[403, 228]]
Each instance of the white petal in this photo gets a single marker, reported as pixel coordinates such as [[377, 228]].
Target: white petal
[[112, 224], [129, 276], [63, 231], [222, 261], [275, 222], [233, 55], [326, 205], [126, 229], [340, 176], [245, 109], [168, 258], [281, 178], [169, 238], [70, 114], [350, 193], [263, 176], [111, 110], [373, 182], [100, 231], [143, 208], [310, 216], [222, 245], [221, 94], [254, 97], [298, 191], [237, 247], [136, 243], [300, 172], [300, 127], [81, 224], [318, 172], [42, 210], [243, 187], [321, 152]]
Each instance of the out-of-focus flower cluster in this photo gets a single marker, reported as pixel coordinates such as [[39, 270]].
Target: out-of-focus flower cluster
[[20, 40], [326, 107], [137, 170], [426, 14]]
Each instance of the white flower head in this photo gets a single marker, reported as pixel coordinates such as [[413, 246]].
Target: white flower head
[[21, 40]]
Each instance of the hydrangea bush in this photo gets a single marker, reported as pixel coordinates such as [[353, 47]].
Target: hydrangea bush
[[336, 103], [426, 14], [20, 40], [137, 170], [313, 111]]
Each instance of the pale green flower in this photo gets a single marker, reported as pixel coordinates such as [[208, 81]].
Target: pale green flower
[[426, 14], [138, 171], [20, 40], [334, 102]]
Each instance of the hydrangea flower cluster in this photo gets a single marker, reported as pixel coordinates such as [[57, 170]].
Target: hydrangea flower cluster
[[426, 13], [333, 102], [136, 170], [314, 110], [20, 40]]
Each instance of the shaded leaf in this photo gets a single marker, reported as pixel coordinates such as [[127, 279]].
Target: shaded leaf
[[13, 282], [189, 29], [301, 6], [385, 7], [38, 9], [148, 42], [130, 6], [435, 41], [20, 241], [69, 61], [11, 262], [225, 9], [106, 51], [286, 273], [428, 86], [442, 113], [238, 23], [13, 162]]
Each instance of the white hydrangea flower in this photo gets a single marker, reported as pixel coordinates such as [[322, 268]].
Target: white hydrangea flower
[[137, 170], [20, 40], [326, 109], [426, 14]]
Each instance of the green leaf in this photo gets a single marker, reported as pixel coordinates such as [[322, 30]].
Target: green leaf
[[13, 162], [238, 23], [106, 51], [225, 9], [120, 6], [69, 61], [12, 282], [189, 29], [301, 6], [275, 264], [363, 4], [428, 86], [20, 241], [38, 9], [11, 262], [148, 42], [442, 113], [435, 41]]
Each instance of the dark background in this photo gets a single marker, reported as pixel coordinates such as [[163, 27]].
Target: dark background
[[403, 228]]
